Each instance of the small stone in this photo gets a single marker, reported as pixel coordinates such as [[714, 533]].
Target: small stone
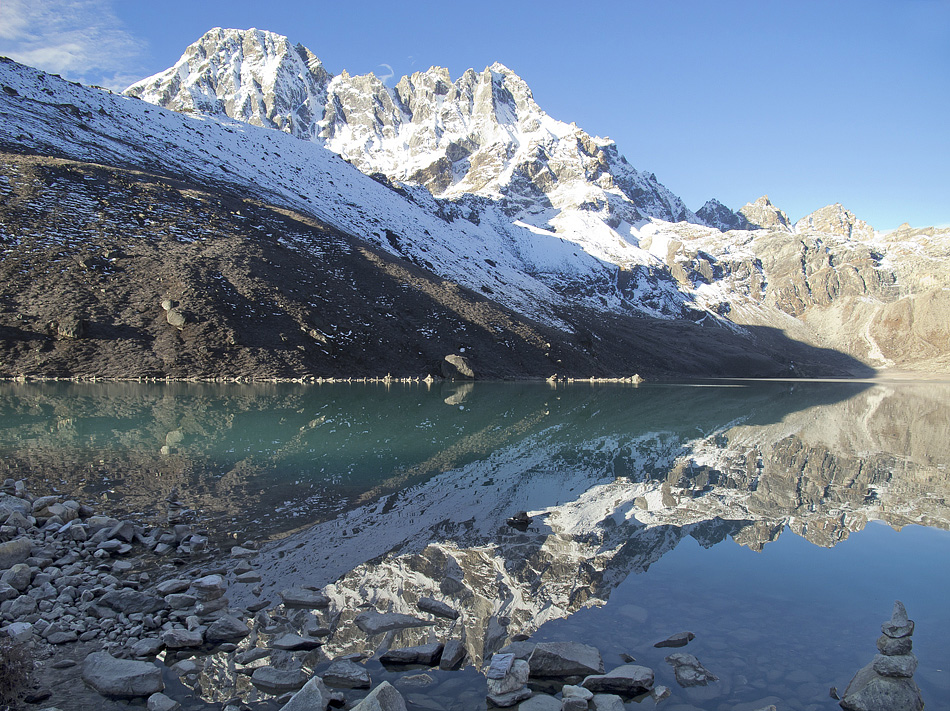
[[570, 691], [129, 601], [181, 639], [514, 680], [159, 702], [15, 551], [249, 577], [891, 647], [180, 601], [147, 647], [499, 666], [18, 576], [869, 691], [612, 702], [19, 631], [175, 585], [896, 665], [540, 702], [209, 587]]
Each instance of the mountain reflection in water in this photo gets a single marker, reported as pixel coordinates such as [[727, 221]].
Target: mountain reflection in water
[[387, 495]]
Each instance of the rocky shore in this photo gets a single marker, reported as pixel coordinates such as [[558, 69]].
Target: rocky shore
[[112, 614]]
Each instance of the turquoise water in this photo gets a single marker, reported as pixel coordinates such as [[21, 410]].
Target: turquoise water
[[777, 521]]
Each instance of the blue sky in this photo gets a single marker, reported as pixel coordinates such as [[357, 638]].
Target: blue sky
[[811, 102]]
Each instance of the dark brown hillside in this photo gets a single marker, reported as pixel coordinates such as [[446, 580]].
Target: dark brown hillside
[[119, 274]]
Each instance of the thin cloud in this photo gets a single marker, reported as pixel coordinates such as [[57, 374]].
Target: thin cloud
[[386, 77], [82, 40]]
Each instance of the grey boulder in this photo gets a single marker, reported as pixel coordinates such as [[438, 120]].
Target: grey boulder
[[373, 623], [426, 654], [439, 609], [869, 691], [295, 643], [384, 697], [344, 673], [121, 678], [626, 680], [560, 659], [314, 696], [15, 551], [226, 627], [453, 654], [278, 681], [131, 601], [304, 598]]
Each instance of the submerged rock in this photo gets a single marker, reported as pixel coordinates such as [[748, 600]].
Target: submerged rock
[[688, 670], [680, 639]]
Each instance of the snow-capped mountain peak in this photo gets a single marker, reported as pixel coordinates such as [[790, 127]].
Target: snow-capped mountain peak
[[251, 75], [481, 134]]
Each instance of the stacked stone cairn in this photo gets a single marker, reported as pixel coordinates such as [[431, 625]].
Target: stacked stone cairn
[[887, 684]]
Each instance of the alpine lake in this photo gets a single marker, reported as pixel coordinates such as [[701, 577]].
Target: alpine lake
[[776, 521]]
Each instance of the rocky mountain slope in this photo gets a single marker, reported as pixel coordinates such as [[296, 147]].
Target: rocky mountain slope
[[481, 144], [144, 181], [467, 184]]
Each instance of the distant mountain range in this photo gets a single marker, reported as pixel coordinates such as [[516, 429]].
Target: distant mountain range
[[470, 185]]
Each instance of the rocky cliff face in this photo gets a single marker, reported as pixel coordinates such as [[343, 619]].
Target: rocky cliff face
[[835, 220], [763, 214]]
